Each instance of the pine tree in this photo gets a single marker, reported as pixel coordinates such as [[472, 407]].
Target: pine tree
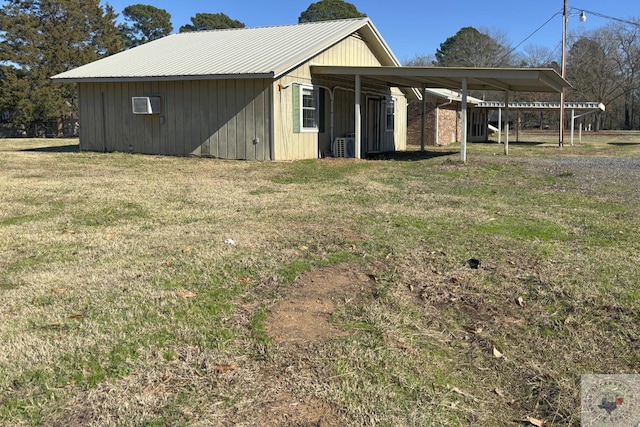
[[211, 21], [327, 10], [145, 23], [42, 38]]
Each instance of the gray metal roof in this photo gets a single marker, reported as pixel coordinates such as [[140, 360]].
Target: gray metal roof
[[451, 95], [267, 52], [501, 79]]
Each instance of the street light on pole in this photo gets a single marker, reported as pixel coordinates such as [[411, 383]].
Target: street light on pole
[[563, 72]]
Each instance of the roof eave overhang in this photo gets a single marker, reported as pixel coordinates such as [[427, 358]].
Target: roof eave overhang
[[132, 79]]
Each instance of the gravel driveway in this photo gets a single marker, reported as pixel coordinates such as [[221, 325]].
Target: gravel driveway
[[619, 176]]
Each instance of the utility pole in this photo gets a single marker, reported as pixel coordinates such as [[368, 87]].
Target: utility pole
[[563, 72]]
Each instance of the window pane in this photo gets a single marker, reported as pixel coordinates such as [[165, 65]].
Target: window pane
[[309, 118], [309, 108], [390, 110], [308, 100]]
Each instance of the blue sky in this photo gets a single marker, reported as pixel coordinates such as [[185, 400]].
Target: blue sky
[[413, 27]]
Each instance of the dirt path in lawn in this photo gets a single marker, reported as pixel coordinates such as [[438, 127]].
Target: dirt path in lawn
[[300, 323]]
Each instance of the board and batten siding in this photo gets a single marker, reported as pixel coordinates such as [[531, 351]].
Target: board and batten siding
[[229, 119], [399, 142], [291, 145]]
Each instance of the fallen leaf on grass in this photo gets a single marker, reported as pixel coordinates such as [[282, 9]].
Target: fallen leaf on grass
[[521, 301], [460, 392], [187, 294], [59, 290], [67, 231], [187, 249], [536, 422], [498, 392], [497, 353], [225, 368], [76, 316]]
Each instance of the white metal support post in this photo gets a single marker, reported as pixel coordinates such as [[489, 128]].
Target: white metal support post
[[506, 122], [573, 123], [358, 118], [422, 117], [500, 125], [565, 18], [463, 142]]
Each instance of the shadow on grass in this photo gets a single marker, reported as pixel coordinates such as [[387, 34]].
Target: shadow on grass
[[522, 143], [71, 148], [623, 144], [410, 156]]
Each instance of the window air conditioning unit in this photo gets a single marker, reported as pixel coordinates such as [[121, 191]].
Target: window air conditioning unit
[[146, 104]]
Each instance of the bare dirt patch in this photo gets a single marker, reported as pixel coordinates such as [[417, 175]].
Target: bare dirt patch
[[304, 315], [301, 322]]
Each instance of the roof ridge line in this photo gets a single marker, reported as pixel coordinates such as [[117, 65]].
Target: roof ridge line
[[273, 26]]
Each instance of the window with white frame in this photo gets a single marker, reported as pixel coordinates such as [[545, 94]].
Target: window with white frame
[[390, 115], [308, 109]]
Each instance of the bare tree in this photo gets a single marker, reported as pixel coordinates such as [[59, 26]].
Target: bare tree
[[627, 38], [421, 61], [598, 72], [539, 56]]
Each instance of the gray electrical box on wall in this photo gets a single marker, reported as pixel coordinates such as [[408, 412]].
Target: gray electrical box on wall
[[146, 104]]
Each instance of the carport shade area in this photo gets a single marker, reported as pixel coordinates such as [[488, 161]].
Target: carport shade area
[[461, 79]]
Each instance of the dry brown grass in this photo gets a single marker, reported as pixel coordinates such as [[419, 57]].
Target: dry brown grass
[[123, 305]]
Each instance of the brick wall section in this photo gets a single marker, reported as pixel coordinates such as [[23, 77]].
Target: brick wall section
[[449, 128]]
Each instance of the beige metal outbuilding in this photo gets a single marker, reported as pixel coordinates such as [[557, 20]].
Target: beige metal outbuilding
[[240, 94]]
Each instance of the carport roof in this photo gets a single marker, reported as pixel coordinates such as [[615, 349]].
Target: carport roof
[[499, 79]]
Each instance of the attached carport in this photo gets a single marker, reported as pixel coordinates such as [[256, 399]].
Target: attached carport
[[506, 80]]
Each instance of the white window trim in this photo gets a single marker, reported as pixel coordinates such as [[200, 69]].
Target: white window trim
[[316, 128], [389, 102]]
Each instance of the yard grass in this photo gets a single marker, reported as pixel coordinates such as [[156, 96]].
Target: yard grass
[[125, 303]]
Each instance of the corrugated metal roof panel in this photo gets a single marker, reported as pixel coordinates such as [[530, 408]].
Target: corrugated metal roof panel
[[451, 95], [262, 51]]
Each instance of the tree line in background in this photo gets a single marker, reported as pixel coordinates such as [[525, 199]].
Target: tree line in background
[[41, 38]]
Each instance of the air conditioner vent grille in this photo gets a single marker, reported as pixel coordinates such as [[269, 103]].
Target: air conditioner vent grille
[[146, 104], [343, 147]]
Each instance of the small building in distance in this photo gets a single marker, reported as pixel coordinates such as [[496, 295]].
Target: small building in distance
[[443, 124]]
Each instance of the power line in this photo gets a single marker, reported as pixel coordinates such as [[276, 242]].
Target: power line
[[571, 9], [527, 38]]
